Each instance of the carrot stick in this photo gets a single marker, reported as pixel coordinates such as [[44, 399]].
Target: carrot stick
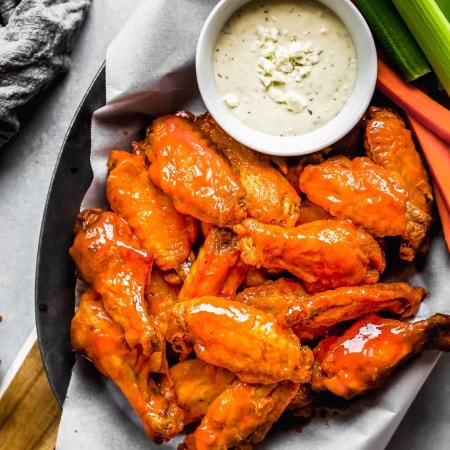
[[437, 155], [444, 214], [414, 101]]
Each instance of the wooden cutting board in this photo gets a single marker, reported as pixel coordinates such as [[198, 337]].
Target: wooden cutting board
[[29, 412]]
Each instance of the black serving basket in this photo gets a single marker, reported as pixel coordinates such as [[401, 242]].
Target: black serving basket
[[55, 271]]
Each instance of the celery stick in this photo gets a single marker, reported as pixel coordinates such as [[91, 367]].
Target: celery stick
[[444, 6], [395, 38], [431, 30]]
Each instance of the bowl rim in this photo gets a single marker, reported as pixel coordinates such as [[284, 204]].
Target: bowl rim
[[332, 131]]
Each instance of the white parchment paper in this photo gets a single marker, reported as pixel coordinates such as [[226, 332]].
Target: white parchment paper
[[150, 71]]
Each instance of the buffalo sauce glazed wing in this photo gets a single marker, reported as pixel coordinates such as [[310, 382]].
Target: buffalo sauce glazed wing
[[231, 420], [269, 195], [243, 339], [186, 165], [134, 197], [111, 260], [324, 253], [359, 190], [227, 289], [389, 143], [364, 356], [95, 335]]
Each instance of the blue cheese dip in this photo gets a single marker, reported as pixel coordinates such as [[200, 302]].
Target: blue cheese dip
[[284, 67]]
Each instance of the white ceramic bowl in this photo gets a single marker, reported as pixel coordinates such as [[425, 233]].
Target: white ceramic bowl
[[302, 144]]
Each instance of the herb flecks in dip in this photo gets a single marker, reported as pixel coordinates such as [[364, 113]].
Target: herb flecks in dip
[[285, 67]]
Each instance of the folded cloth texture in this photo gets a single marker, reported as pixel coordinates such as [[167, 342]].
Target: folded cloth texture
[[35, 44], [6, 9]]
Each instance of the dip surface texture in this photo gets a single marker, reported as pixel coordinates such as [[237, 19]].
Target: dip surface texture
[[285, 67]]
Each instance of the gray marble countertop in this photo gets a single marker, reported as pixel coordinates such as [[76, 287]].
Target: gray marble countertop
[[27, 163]]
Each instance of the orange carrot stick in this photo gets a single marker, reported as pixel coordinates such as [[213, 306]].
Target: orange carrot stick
[[444, 214], [414, 101], [437, 155]]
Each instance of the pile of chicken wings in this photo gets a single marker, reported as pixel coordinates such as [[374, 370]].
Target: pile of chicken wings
[[227, 287]]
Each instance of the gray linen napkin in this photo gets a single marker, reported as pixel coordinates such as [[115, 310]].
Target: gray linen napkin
[[6, 9], [34, 46]]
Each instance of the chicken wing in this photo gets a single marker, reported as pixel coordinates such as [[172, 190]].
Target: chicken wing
[[133, 196], [388, 143], [313, 316], [270, 198], [242, 339], [371, 349], [272, 296], [196, 385], [95, 335], [309, 212], [324, 254], [111, 260], [255, 277], [359, 190], [242, 414], [185, 164], [301, 403], [160, 296], [236, 278], [297, 164], [215, 259]]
